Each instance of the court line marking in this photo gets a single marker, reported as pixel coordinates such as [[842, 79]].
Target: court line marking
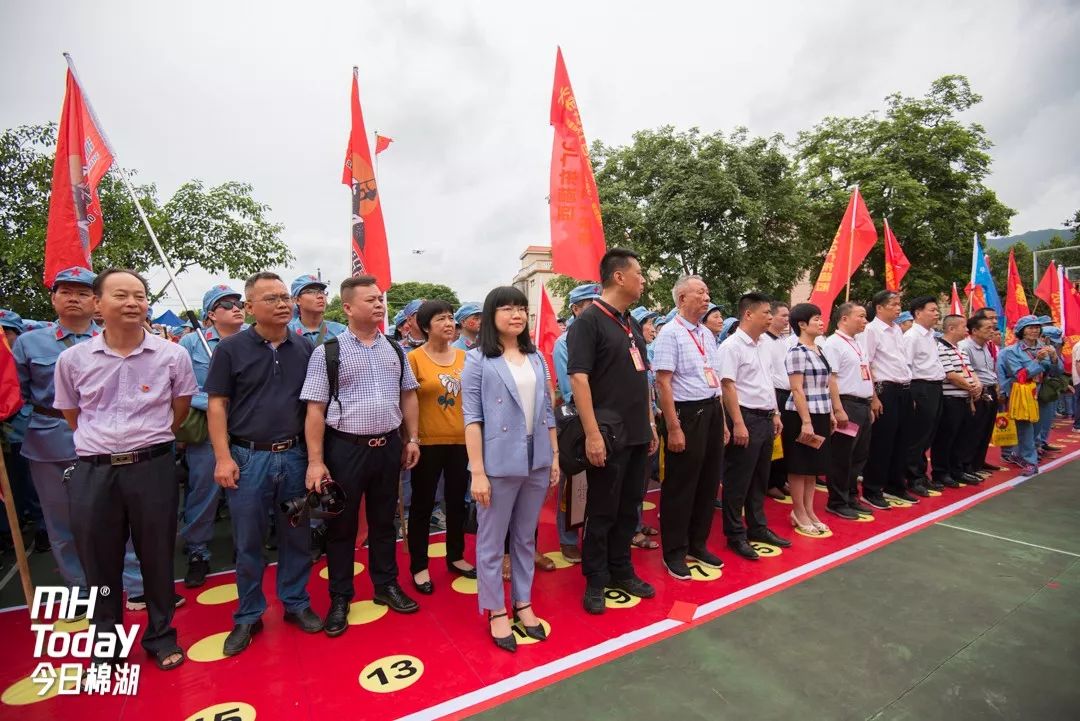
[[529, 680], [1010, 540]]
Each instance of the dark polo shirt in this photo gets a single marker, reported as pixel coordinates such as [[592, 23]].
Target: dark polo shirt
[[262, 384], [599, 347]]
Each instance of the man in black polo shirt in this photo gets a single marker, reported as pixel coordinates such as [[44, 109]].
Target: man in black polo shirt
[[607, 369], [256, 421]]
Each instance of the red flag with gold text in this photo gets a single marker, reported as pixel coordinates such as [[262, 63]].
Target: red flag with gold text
[[577, 231], [1016, 305], [83, 156], [370, 254], [896, 263], [854, 239]]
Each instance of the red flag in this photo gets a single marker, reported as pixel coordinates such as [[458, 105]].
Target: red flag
[[854, 239], [577, 231], [547, 329], [1016, 304], [955, 306], [382, 142], [83, 156], [370, 255], [975, 295], [10, 393], [896, 263], [1048, 291]]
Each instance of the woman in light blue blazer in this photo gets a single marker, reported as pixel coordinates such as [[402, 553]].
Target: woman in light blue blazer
[[510, 438]]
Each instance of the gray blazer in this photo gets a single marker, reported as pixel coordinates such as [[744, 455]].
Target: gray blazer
[[489, 397]]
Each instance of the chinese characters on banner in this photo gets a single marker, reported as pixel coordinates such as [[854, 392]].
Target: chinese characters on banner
[[577, 231]]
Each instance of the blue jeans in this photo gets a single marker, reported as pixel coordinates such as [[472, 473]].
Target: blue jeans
[[48, 478], [267, 479], [1047, 414], [1025, 447], [200, 501]]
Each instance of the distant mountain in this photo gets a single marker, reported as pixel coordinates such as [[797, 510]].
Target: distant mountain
[[1033, 239]]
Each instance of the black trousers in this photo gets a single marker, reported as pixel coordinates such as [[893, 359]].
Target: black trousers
[[363, 470], [925, 413], [452, 462], [885, 466], [778, 469], [611, 506], [692, 479], [849, 455], [975, 435], [746, 477], [945, 452], [109, 503]]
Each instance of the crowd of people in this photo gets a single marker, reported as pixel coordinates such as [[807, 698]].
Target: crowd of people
[[299, 422]]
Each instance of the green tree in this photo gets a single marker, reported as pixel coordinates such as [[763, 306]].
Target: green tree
[[335, 312], [559, 286], [1073, 224], [221, 229], [400, 294], [727, 207], [920, 167]]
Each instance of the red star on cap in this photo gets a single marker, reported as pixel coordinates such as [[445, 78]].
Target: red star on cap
[[223, 287], [75, 271]]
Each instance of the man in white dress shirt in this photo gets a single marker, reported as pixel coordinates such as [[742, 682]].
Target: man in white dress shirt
[[927, 373], [750, 402], [776, 342], [889, 370]]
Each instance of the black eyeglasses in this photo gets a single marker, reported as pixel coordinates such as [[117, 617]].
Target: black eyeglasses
[[230, 304]]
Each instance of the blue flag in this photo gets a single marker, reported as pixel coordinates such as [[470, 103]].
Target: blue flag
[[980, 275]]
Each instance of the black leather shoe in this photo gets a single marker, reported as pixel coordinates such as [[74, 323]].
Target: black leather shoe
[[950, 482], [427, 587], [240, 637], [305, 619], [636, 587], [535, 632], [860, 507], [471, 573], [705, 557], [337, 619], [391, 595], [593, 602], [767, 536], [932, 485], [743, 548]]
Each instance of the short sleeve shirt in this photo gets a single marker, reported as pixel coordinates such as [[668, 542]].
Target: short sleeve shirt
[[442, 421], [742, 361], [262, 384], [815, 372], [686, 351], [599, 347]]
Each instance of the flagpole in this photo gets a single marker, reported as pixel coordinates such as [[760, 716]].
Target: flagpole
[[142, 214], [851, 240], [16, 534]]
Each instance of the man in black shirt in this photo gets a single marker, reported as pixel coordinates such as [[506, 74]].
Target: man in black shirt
[[256, 425], [607, 369]]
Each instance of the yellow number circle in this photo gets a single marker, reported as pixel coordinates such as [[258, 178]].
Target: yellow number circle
[[865, 518], [618, 598], [558, 558], [232, 711], [699, 572], [464, 585], [391, 673], [933, 493], [766, 550], [647, 505], [523, 638], [897, 503], [357, 569], [786, 500]]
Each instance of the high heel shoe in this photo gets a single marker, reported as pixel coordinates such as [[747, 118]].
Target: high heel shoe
[[506, 643], [805, 528], [820, 527], [535, 632]]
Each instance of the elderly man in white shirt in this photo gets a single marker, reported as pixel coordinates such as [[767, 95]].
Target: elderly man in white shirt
[[927, 373], [891, 404], [750, 402]]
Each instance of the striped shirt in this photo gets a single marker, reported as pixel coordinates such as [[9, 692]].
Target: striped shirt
[[815, 372], [367, 386], [953, 360]]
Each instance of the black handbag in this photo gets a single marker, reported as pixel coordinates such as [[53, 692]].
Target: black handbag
[[571, 436]]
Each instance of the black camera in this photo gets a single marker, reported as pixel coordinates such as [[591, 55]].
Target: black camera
[[328, 503]]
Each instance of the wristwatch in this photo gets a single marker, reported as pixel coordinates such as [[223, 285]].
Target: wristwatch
[[413, 440]]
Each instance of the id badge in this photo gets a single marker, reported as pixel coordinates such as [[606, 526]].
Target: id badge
[[635, 356], [711, 379], [865, 369]]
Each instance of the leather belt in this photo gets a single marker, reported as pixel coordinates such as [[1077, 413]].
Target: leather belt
[[756, 411], [922, 381], [50, 412], [130, 457], [695, 404], [892, 384], [370, 441], [273, 446], [855, 399]]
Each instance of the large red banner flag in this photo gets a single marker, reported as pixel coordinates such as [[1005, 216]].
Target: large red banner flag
[[10, 394], [854, 239], [1049, 292], [547, 329], [1016, 304], [83, 156], [955, 306], [896, 263], [370, 255], [577, 231]]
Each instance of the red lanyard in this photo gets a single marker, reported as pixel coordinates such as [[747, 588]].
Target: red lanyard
[[963, 365], [697, 343], [624, 326], [854, 347]]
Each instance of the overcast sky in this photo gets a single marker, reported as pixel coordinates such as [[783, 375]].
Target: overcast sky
[[259, 92]]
